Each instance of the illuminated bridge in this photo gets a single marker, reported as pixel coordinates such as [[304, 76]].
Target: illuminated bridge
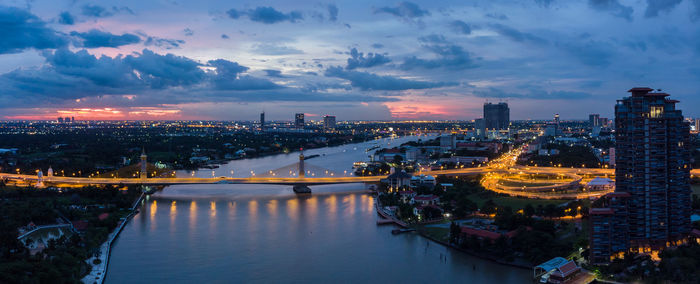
[[304, 174]]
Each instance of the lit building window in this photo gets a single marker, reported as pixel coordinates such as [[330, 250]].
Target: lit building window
[[656, 111]]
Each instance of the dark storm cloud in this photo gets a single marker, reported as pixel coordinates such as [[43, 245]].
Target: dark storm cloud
[[166, 43], [161, 71], [266, 15], [66, 18], [449, 55], [531, 92], [497, 16], [274, 73], [654, 7], [359, 60], [227, 69], [517, 35], [368, 81], [332, 12], [405, 10], [461, 27], [103, 72], [71, 75], [591, 53], [544, 3], [21, 30], [96, 11], [96, 38], [612, 6]]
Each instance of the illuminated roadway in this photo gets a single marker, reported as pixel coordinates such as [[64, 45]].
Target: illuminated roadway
[[493, 172], [296, 180]]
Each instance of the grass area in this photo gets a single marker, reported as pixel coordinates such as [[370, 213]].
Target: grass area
[[514, 202], [524, 183], [441, 234], [696, 189]]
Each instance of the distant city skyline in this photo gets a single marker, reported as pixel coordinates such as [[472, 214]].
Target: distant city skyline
[[373, 60]]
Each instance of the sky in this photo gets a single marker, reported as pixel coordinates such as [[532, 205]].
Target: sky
[[357, 60]]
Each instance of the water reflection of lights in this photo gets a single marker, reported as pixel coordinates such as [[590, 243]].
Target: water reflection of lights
[[272, 207], [193, 215], [153, 209]]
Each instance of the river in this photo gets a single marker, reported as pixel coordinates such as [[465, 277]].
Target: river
[[265, 233]]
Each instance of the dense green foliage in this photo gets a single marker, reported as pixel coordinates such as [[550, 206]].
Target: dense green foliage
[[63, 259], [569, 156]]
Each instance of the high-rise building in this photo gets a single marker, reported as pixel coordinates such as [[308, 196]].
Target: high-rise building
[[262, 121], [299, 120], [594, 119], [329, 122], [496, 116], [697, 124], [609, 236], [60, 120], [72, 119], [653, 169], [480, 128]]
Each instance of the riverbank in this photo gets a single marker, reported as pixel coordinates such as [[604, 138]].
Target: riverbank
[[423, 234], [522, 265], [99, 270]]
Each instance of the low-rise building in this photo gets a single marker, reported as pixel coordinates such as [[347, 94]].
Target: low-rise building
[[398, 180], [426, 199], [407, 196], [423, 181], [557, 270], [599, 183]]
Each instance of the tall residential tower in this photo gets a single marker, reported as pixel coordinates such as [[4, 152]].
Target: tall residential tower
[[652, 172], [496, 116], [262, 121], [299, 121], [328, 122]]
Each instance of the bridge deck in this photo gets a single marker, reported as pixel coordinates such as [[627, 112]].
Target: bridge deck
[[290, 180]]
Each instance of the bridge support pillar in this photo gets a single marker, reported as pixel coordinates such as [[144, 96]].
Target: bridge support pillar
[[302, 171], [301, 188], [40, 179]]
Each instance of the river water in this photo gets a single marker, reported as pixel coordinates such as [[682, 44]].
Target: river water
[[265, 233]]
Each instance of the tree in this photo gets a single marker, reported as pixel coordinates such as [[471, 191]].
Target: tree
[[431, 212], [455, 231], [464, 207], [529, 210], [489, 207]]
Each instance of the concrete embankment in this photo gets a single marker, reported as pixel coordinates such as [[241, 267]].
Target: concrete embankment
[[99, 271]]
